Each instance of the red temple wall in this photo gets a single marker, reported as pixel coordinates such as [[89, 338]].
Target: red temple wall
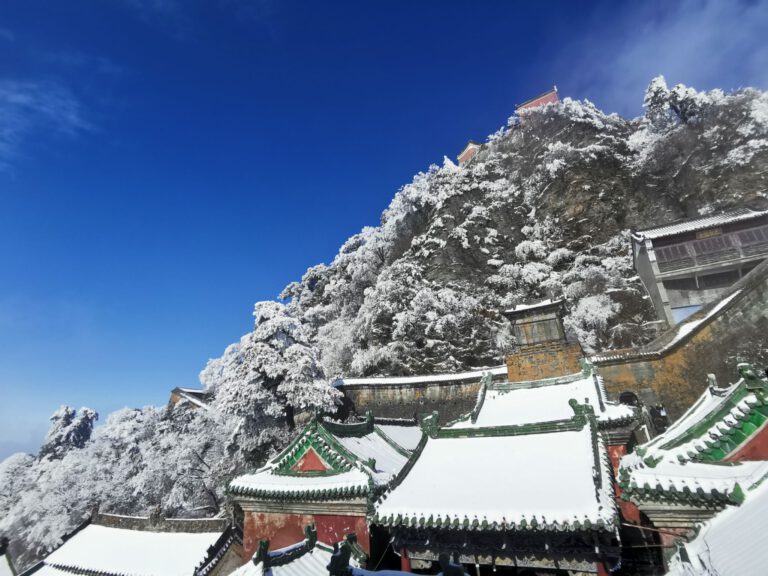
[[615, 452], [629, 511], [547, 98], [310, 462], [468, 155], [285, 529], [756, 447]]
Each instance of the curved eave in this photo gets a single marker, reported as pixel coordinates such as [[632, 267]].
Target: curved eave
[[360, 490], [535, 524]]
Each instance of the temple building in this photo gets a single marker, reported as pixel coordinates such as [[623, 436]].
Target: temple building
[[549, 97], [712, 458], [485, 487], [112, 545], [328, 476], [542, 348], [690, 263], [195, 397], [468, 153]]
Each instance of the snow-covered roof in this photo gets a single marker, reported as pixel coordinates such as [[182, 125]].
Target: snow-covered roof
[[425, 379], [534, 306], [313, 562], [194, 396], [353, 457], [406, 436], [720, 422], [388, 460], [692, 225], [267, 482], [731, 543], [721, 481], [690, 459], [506, 478], [306, 558], [121, 552], [544, 401]]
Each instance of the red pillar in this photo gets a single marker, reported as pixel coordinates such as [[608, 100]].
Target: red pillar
[[602, 570], [405, 562]]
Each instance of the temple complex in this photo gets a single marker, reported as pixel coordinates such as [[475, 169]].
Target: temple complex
[[551, 464], [481, 488]]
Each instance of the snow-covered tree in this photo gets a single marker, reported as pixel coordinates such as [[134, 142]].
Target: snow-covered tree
[[69, 429], [271, 373]]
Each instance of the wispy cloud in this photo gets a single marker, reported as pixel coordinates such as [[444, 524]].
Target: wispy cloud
[[6, 35], [702, 43], [29, 109]]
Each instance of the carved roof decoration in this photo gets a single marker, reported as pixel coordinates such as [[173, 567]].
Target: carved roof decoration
[[307, 558]]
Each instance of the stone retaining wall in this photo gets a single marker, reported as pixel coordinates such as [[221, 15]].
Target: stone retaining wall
[[674, 372]]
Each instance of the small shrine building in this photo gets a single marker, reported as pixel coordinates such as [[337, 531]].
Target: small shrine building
[[328, 476]]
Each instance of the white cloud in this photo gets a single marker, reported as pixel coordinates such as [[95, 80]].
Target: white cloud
[[702, 43], [30, 108]]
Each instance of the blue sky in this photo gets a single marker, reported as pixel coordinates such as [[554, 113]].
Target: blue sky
[[165, 164]]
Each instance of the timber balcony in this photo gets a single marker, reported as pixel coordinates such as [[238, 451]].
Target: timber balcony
[[733, 247]]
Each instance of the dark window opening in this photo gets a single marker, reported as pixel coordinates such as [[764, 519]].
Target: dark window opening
[[720, 280], [681, 284]]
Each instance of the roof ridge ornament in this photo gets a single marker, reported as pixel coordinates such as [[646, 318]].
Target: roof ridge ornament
[[431, 424]]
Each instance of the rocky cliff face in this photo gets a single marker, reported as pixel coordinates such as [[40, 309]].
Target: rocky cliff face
[[544, 209]]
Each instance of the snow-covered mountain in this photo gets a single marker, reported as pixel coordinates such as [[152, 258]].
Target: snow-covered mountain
[[542, 210]]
